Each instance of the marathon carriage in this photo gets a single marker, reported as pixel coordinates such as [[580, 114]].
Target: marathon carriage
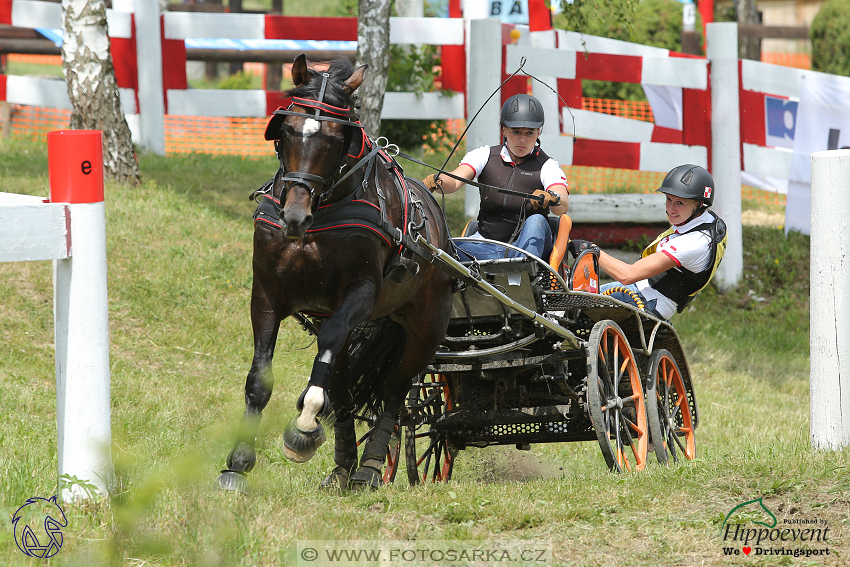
[[534, 355], [524, 351]]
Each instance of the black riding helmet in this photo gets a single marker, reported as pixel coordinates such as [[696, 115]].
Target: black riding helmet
[[689, 181], [522, 111]]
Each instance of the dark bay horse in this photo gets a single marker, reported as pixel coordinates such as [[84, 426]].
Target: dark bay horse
[[332, 244]]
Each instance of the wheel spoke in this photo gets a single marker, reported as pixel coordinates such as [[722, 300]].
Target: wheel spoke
[[678, 441]]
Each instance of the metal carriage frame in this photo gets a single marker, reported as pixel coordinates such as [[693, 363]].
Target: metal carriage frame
[[527, 359]]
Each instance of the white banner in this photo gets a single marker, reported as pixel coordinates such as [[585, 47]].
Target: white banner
[[823, 123]]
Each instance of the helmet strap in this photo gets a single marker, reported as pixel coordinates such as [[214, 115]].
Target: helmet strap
[[700, 209]]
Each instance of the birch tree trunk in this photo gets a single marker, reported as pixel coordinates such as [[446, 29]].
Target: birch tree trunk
[[92, 88], [750, 47], [373, 49]]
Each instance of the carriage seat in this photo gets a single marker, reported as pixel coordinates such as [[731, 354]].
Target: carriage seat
[[560, 225]]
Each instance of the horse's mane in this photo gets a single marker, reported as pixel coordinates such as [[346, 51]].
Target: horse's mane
[[340, 70]]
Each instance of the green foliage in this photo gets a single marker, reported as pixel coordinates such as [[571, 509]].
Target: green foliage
[[412, 70], [725, 11], [649, 22], [240, 81], [830, 35], [615, 17]]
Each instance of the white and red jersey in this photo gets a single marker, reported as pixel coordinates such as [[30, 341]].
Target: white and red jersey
[[691, 251]]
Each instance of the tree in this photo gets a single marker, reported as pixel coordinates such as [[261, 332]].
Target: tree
[[373, 49], [830, 35], [748, 47], [92, 88]]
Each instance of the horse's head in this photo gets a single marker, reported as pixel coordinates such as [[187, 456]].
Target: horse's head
[[313, 139]]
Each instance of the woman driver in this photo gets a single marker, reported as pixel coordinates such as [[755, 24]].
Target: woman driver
[[519, 164]]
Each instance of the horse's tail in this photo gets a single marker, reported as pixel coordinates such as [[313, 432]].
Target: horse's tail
[[375, 349]]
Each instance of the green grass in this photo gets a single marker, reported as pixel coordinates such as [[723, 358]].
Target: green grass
[[179, 255]]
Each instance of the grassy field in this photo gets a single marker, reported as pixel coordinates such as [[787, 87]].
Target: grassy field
[[179, 255]]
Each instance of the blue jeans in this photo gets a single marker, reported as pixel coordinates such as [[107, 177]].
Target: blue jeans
[[535, 237], [648, 306]]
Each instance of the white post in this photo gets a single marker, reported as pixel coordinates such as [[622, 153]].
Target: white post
[[483, 77], [81, 316], [829, 302], [149, 64], [722, 53]]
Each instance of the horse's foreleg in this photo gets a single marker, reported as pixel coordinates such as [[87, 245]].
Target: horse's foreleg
[[258, 392], [304, 434]]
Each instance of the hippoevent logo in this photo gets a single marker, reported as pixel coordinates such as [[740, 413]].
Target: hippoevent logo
[[38, 527], [752, 529]]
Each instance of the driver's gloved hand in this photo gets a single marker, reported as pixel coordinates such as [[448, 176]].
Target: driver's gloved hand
[[576, 247]]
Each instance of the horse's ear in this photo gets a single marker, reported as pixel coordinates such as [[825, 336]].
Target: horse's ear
[[299, 71], [355, 80]]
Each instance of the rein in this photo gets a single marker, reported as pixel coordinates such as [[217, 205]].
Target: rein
[[526, 196]]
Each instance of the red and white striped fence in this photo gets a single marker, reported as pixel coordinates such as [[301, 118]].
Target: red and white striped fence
[[70, 229], [149, 55]]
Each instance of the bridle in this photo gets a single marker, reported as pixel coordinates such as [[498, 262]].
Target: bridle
[[314, 183]]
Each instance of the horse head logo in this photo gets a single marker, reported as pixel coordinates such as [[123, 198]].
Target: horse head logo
[[48, 519], [751, 514]]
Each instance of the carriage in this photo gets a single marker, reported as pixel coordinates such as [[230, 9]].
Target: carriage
[[534, 355], [515, 350]]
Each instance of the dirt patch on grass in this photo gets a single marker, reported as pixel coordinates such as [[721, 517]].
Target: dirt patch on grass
[[507, 464]]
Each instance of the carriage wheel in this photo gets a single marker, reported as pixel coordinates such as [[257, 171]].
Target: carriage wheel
[[615, 398], [670, 420], [392, 456], [430, 397]]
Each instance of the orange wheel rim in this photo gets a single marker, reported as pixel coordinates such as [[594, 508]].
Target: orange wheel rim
[[631, 456], [676, 403]]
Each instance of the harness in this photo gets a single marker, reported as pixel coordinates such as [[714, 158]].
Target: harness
[[352, 210], [682, 285]]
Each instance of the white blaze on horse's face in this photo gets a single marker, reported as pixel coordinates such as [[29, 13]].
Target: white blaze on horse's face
[[311, 126]]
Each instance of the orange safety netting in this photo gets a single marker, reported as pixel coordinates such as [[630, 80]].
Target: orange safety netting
[[797, 60], [634, 109], [586, 179], [236, 136], [244, 136], [35, 121], [36, 59]]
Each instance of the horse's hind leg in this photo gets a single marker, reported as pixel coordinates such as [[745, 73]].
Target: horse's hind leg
[[258, 392], [424, 322], [345, 437]]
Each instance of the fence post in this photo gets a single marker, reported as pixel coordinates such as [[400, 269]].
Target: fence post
[[80, 309], [722, 53], [485, 72], [149, 64], [829, 302]]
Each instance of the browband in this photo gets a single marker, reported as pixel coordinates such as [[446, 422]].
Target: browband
[[321, 106]]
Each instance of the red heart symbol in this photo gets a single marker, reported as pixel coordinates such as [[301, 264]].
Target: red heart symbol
[[747, 550]]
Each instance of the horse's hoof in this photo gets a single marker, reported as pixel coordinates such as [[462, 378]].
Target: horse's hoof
[[366, 478], [242, 458], [337, 480], [299, 446], [233, 480]]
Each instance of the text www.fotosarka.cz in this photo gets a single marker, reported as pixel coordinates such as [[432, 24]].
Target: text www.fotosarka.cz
[[313, 553]]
